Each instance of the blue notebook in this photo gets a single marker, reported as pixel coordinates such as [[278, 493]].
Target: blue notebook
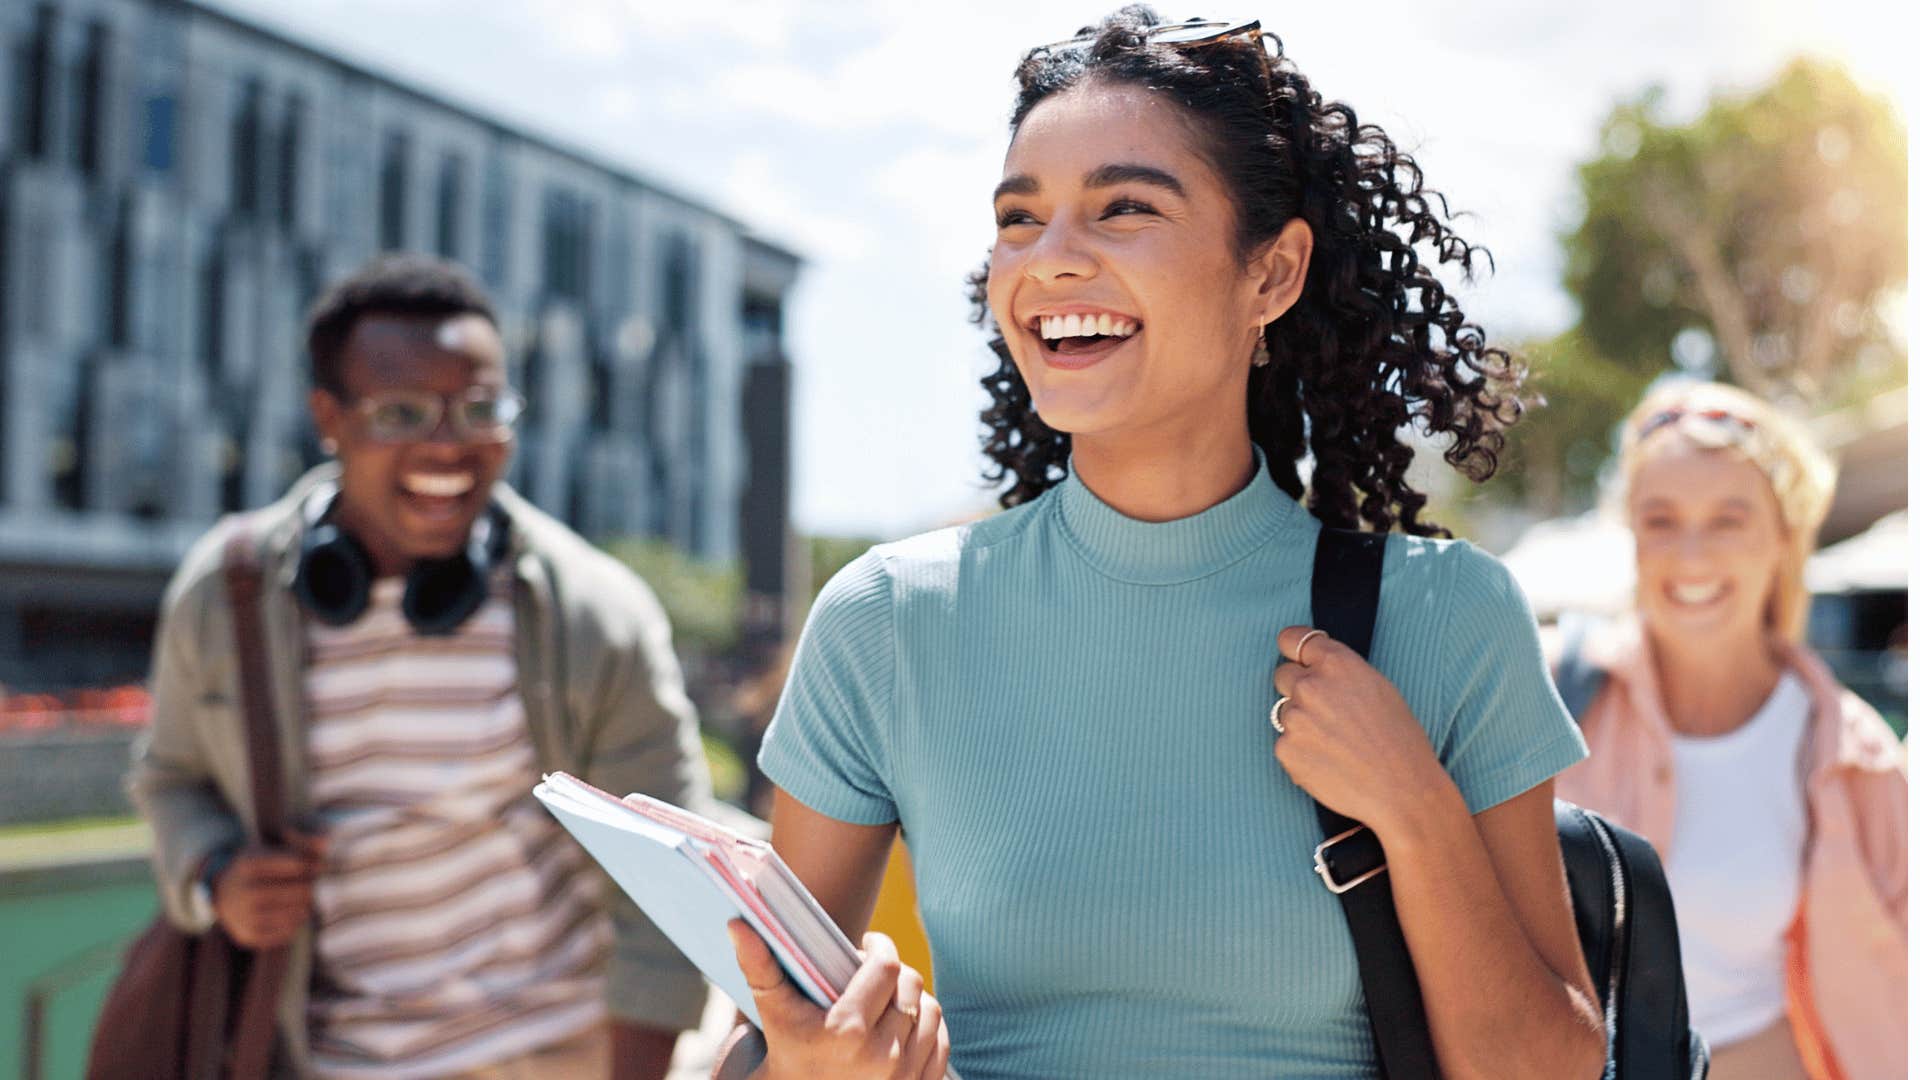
[[692, 876]]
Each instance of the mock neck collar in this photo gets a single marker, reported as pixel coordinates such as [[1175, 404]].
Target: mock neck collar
[[1169, 552]]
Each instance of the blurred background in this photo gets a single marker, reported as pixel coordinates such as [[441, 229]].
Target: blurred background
[[728, 240]]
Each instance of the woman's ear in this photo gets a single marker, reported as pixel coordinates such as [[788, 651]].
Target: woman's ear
[[1281, 270]]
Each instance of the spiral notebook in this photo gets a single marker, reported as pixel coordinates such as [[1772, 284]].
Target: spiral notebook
[[692, 876]]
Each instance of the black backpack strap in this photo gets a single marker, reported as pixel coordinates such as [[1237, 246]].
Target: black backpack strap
[[1576, 678], [1346, 599]]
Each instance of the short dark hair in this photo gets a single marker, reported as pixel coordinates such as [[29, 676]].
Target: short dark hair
[[398, 283]]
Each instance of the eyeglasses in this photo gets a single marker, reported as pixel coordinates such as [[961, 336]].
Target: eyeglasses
[[1717, 417], [481, 415]]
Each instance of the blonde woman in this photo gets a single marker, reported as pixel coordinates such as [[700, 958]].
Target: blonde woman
[[1777, 799]]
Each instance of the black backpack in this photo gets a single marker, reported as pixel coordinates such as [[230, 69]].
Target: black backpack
[[1620, 900]]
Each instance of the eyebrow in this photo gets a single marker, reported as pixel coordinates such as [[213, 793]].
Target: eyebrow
[[1105, 176]]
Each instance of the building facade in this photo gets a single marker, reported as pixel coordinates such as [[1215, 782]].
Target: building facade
[[177, 184]]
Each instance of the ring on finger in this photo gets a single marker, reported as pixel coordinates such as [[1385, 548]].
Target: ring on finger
[[1273, 715], [1300, 650]]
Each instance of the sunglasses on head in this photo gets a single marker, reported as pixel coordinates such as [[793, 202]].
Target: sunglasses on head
[[1197, 34], [1718, 417], [1182, 35]]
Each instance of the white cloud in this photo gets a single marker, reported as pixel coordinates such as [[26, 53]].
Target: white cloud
[[761, 190]]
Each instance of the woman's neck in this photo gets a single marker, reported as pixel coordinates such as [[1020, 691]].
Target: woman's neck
[[1165, 479], [1713, 687]]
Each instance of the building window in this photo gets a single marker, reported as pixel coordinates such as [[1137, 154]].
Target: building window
[[288, 165], [497, 213], [244, 152], [567, 231], [213, 316], [393, 191], [156, 151], [679, 286], [68, 454], [760, 321], [37, 91], [90, 101], [450, 206], [119, 273]]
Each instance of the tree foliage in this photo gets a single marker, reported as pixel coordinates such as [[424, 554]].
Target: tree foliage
[[702, 599], [1757, 243], [1554, 457], [1760, 242], [827, 554]]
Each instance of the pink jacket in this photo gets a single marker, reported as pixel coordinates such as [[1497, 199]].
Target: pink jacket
[[1847, 948]]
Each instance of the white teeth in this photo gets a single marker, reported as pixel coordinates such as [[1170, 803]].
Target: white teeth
[[1105, 324], [1698, 594], [437, 485]]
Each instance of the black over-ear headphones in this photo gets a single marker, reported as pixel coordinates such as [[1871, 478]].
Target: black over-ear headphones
[[336, 574]]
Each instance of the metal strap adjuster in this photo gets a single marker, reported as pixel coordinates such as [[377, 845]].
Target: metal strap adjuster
[[1321, 867]]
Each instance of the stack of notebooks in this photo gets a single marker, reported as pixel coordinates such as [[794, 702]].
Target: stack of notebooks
[[692, 876]]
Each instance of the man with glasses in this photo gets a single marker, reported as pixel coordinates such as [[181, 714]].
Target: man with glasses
[[445, 643]]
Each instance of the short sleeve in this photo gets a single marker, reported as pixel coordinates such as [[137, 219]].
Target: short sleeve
[[1509, 731], [827, 745]]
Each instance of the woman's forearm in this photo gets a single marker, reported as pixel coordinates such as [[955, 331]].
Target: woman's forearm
[[1496, 1007]]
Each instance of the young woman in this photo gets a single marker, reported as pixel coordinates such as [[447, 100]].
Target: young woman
[[1202, 275], [1777, 799]]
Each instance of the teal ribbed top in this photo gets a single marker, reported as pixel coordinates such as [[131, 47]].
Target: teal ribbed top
[[1066, 710]]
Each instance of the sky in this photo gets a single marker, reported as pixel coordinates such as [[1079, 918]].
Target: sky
[[868, 136]]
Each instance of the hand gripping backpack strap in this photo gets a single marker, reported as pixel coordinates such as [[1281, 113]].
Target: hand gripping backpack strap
[[250, 1040], [1346, 598]]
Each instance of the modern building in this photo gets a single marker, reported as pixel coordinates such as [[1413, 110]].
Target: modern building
[[175, 186]]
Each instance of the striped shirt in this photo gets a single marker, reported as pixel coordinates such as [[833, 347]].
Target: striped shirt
[[457, 924]]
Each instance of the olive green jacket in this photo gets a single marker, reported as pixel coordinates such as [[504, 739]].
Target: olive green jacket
[[601, 686]]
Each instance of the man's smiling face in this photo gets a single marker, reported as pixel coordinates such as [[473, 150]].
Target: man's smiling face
[[413, 500]]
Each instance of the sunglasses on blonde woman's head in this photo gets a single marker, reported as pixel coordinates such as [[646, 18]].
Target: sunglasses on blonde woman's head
[[1715, 417]]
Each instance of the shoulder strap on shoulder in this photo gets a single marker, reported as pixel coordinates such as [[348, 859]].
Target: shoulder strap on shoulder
[[1576, 678], [251, 1036], [1346, 585], [241, 567], [1346, 600]]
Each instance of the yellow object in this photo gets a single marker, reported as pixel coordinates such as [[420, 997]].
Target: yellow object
[[897, 914]]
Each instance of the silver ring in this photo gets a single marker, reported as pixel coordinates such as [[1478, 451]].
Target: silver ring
[[1273, 715], [1300, 650]]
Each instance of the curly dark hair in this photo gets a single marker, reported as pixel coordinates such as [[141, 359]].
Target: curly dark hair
[[1374, 343], [395, 283]]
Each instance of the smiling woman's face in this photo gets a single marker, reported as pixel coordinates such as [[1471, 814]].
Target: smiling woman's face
[[1708, 538], [1115, 277]]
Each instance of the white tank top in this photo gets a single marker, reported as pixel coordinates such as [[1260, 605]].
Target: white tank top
[[1740, 825]]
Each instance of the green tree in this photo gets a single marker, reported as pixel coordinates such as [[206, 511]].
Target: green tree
[[827, 554], [1758, 242], [1554, 456], [702, 599]]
